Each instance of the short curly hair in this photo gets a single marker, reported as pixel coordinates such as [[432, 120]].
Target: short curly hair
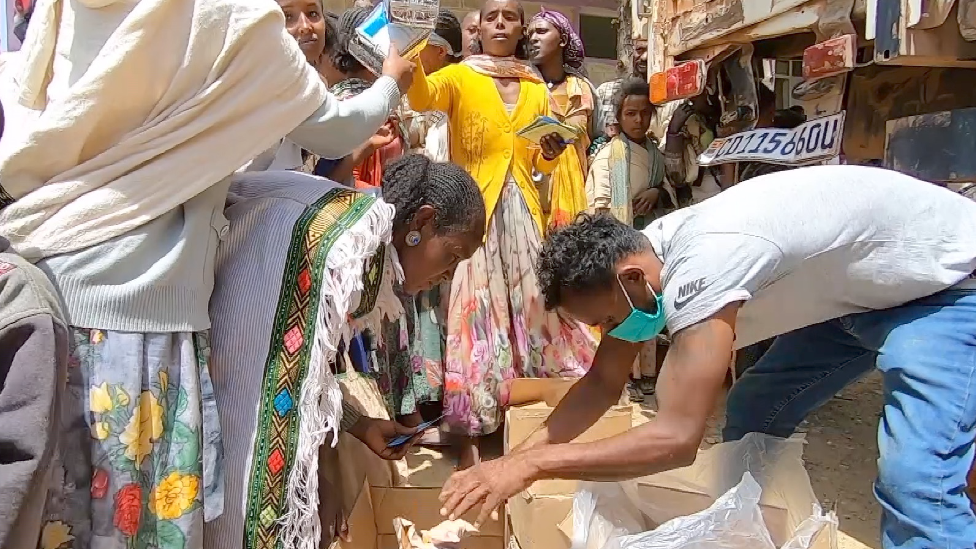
[[629, 87], [414, 180], [581, 256]]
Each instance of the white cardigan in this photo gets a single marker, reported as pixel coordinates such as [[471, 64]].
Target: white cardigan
[[137, 107]]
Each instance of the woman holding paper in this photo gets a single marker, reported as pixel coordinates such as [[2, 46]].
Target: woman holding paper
[[498, 328], [557, 51]]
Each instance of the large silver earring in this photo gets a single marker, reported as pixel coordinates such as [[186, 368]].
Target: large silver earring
[[413, 238]]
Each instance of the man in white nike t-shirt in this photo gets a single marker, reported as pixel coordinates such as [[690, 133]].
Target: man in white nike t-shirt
[[852, 268]]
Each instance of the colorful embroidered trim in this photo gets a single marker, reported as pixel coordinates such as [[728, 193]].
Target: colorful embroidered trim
[[316, 231], [372, 280]]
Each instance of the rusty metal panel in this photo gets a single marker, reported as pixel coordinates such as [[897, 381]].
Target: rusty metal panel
[[829, 57], [967, 19], [877, 94], [942, 46], [934, 147], [699, 23], [887, 43]]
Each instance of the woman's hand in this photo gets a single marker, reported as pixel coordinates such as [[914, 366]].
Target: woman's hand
[[399, 69], [552, 146], [377, 433]]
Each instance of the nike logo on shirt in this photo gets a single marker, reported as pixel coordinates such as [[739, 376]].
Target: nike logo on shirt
[[687, 292]]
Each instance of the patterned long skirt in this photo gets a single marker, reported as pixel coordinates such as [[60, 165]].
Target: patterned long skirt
[[410, 356], [140, 456], [498, 328]]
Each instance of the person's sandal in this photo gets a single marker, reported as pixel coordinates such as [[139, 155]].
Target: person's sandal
[[433, 437], [646, 385], [634, 392]]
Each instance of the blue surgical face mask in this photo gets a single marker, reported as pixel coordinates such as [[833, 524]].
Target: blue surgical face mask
[[640, 326]]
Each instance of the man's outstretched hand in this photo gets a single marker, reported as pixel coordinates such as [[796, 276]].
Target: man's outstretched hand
[[489, 483]]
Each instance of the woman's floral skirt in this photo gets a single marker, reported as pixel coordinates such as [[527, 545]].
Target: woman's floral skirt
[[409, 357], [498, 327], [140, 456]]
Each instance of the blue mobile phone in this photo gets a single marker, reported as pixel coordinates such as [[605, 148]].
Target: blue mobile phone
[[402, 439]]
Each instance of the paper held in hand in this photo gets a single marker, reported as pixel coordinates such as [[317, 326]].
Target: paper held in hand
[[405, 24], [545, 125]]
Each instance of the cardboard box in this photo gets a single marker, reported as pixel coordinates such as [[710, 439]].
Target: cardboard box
[[412, 491], [371, 519], [522, 421], [533, 516]]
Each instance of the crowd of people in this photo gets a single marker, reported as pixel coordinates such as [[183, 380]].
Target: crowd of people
[[226, 229], [383, 223]]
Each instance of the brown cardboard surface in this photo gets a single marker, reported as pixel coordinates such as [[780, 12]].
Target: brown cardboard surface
[[529, 391], [371, 520], [391, 542], [535, 520], [535, 514], [432, 467], [420, 506], [362, 527], [520, 422]]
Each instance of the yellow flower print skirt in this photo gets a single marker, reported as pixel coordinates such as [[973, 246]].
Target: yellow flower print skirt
[[140, 455]]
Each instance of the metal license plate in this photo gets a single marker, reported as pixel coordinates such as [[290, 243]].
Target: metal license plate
[[808, 143]]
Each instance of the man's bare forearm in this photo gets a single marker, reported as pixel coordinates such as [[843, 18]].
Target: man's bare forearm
[[648, 449], [582, 406], [589, 398]]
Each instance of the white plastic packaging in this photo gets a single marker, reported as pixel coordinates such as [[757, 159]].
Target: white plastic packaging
[[751, 481]]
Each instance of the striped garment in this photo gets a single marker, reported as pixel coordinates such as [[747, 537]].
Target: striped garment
[[306, 263]]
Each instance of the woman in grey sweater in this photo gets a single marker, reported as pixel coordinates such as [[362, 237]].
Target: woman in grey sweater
[[141, 454]]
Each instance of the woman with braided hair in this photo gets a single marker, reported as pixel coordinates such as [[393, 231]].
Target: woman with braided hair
[[412, 373], [498, 328], [308, 263]]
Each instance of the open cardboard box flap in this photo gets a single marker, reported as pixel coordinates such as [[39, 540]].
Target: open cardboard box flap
[[534, 514], [522, 421], [413, 490]]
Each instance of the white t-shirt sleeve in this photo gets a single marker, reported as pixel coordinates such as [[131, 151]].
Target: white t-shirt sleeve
[[706, 272]]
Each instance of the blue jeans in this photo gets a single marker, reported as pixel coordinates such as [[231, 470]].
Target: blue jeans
[[926, 352]]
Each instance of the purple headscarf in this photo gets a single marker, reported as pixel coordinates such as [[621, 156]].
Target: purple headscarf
[[573, 53]]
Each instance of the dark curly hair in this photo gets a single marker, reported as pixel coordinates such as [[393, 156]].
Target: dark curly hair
[[631, 86], [414, 180], [521, 49], [581, 256], [331, 33], [344, 61], [449, 28]]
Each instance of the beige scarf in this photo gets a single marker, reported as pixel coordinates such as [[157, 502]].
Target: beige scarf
[[135, 107]]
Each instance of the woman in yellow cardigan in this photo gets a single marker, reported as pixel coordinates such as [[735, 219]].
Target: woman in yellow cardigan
[[498, 328]]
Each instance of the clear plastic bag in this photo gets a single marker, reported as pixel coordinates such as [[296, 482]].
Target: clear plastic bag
[[749, 494]]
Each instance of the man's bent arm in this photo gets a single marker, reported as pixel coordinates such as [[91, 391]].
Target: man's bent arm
[[689, 386], [590, 397]]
